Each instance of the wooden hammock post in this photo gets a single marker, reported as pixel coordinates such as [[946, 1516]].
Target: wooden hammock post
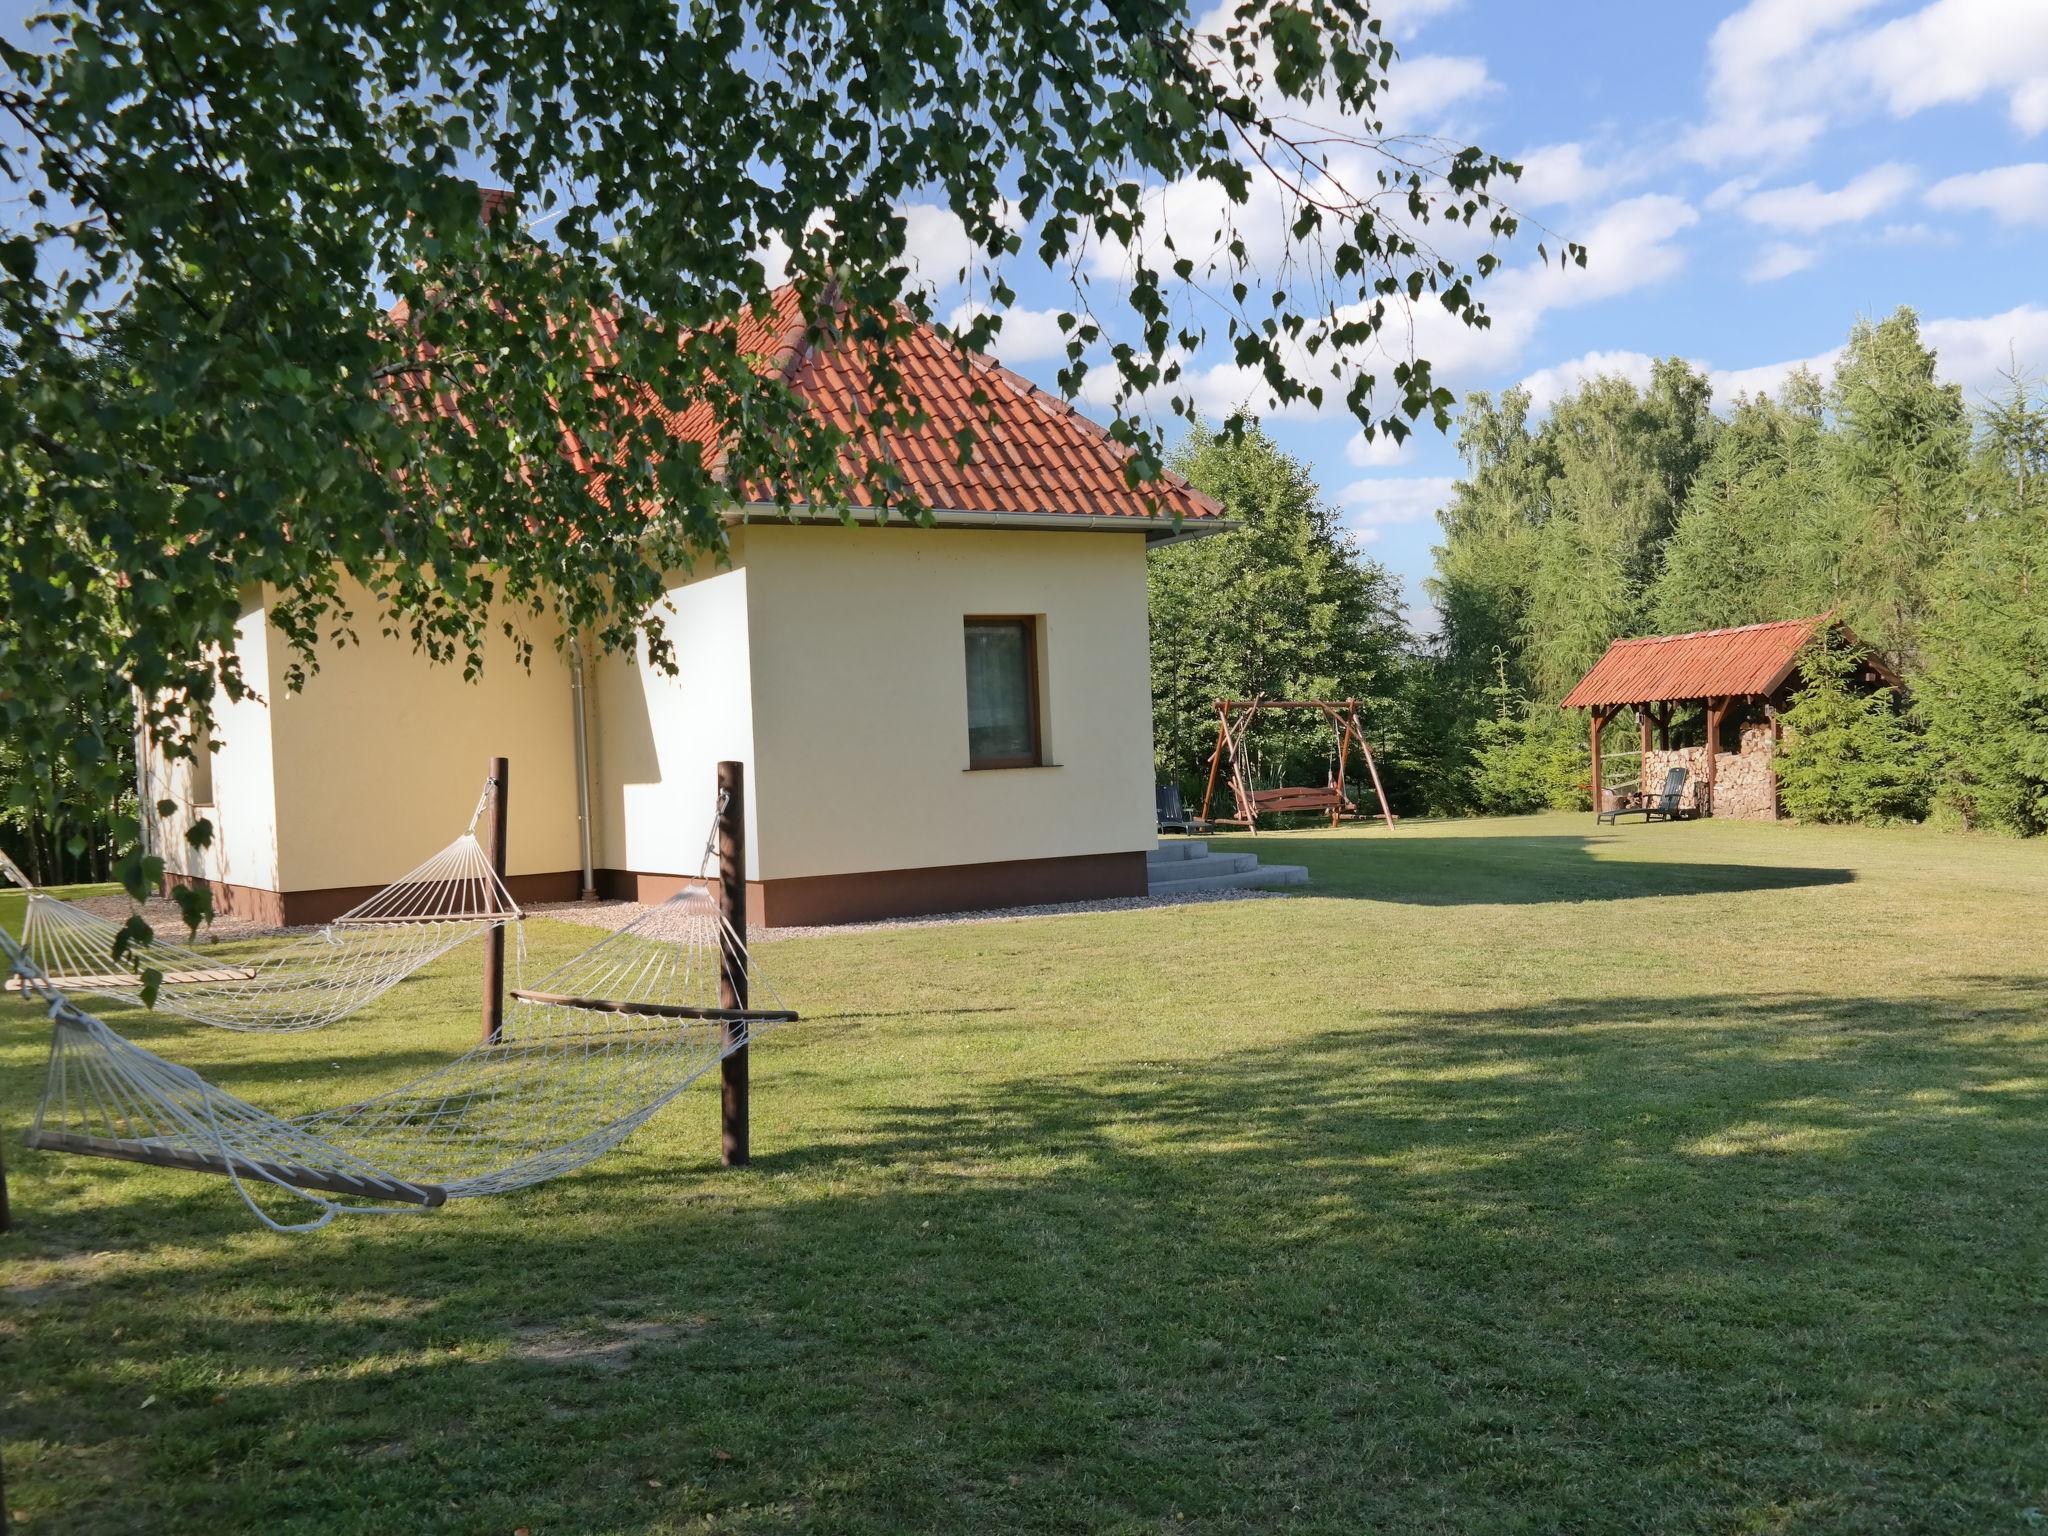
[[495, 798], [732, 958]]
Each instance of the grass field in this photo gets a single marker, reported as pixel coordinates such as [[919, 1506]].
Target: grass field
[[1515, 1178]]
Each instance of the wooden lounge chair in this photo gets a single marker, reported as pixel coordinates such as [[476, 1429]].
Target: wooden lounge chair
[[1662, 806]]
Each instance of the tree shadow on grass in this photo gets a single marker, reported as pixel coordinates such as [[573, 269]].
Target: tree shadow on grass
[[1556, 1267], [1513, 870]]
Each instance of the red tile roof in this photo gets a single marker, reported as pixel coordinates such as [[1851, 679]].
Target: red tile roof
[[1712, 663], [1033, 453]]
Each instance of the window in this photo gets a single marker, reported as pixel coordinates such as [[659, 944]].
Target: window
[[200, 781], [1002, 693]]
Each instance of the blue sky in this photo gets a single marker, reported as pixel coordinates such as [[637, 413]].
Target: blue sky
[[1750, 180]]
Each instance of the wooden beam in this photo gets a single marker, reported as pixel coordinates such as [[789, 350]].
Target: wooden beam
[[1216, 757], [301, 1175], [660, 1010], [1349, 719]]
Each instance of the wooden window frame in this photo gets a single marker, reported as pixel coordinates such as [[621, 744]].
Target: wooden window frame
[[1028, 622]]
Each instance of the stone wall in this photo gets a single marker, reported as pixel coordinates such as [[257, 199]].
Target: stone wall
[[1744, 786]]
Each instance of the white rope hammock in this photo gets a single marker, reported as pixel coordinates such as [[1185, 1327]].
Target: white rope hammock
[[587, 1055], [302, 982]]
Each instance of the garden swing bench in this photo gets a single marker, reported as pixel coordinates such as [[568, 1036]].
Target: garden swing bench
[[1234, 721], [582, 1058]]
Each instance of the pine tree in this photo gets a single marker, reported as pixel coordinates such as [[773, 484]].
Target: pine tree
[[1725, 562], [1985, 692], [1847, 755], [1893, 468]]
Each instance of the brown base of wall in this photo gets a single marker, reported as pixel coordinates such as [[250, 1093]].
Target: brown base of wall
[[810, 899], [299, 909], [883, 893]]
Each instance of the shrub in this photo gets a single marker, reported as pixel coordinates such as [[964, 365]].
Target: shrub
[[1847, 755]]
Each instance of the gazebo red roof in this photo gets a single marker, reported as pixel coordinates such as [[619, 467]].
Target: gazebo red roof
[[1710, 663]]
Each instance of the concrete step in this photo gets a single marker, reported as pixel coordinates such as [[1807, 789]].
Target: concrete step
[[1256, 878], [1176, 851], [1203, 867]]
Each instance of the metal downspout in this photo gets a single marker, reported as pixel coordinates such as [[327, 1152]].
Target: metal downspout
[[589, 891]]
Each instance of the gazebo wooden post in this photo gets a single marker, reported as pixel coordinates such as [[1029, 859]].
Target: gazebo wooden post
[[1664, 726], [732, 959], [1717, 710], [494, 941], [1600, 718]]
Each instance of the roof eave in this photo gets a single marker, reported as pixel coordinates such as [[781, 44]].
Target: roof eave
[[1158, 531]]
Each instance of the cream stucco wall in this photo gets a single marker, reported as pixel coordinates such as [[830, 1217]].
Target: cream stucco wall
[[377, 763], [379, 759], [860, 697], [830, 660], [656, 739], [244, 810]]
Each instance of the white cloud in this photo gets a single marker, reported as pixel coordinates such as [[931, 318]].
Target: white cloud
[[1767, 378], [1759, 95], [1978, 353], [2012, 194], [1781, 260], [1404, 18], [1560, 174], [1781, 71], [1547, 386], [1806, 207], [1381, 452], [1915, 233], [1973, 352], [1422, 88], [937, 247], [1958, 51], [1633, 245], [1376, 505], [1027, 334]]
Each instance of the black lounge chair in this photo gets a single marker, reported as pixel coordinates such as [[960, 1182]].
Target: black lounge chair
[[1172, 818], [1662, 806]]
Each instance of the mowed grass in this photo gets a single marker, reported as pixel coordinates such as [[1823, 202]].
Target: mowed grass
[[1518, 1177]]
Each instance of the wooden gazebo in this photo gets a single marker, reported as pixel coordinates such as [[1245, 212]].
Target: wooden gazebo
[[1729, 673]]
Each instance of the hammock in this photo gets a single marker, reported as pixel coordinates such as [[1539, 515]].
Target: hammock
[[303, 982], [590, 1053]]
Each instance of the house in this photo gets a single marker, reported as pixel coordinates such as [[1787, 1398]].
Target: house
[[931, 718], [1724, 687]]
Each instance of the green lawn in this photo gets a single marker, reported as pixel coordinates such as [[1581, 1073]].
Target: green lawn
[[1517, 1178], [12, 900]]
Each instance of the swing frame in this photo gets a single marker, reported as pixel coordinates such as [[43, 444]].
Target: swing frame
[[1234, 721]]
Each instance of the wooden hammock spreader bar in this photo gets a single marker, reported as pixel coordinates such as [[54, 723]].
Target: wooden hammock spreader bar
[[662, 1010], [297, 1174], [112, 980]]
